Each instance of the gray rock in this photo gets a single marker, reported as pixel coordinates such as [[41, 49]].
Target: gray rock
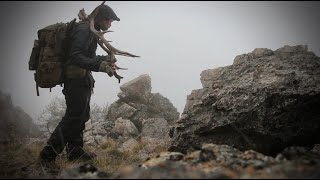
[[194, 99], [138, 89], [261, 52], [125, 128], [151, 144], [129, 145], [120, 109], [162, 108], [155, 128], [210, 76], [265, 101], [255, 54]]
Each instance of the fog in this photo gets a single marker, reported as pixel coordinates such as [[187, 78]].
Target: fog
[[176, 42]]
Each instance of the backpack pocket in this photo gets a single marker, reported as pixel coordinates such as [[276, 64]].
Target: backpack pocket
[[49, 74]]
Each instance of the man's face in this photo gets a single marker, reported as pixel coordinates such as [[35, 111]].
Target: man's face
[[105, 24]]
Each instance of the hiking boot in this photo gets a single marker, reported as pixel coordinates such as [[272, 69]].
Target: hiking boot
[[47, 154], [82, 156]]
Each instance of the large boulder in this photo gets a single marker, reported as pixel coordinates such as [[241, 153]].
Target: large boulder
[[267, 100]]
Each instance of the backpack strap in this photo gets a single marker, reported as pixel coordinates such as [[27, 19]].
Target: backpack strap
[[37, 88]]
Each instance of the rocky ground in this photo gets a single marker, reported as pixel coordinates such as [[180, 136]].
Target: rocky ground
[[215, 162]]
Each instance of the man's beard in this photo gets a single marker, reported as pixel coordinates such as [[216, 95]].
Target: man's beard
[[104, 28]]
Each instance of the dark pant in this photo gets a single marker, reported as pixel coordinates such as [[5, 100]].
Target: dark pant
[[69, 132]]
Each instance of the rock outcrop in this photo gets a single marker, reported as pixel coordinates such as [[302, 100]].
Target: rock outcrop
[[14, 122], [136, 114], [136, 102], [267, 100]]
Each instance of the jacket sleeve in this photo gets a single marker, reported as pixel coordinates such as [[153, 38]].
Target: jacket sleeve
[[79, 52]]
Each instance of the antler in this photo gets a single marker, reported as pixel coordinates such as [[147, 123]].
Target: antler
[[104, 44], [82, 16]]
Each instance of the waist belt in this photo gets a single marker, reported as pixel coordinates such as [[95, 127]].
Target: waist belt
[[74, 72]]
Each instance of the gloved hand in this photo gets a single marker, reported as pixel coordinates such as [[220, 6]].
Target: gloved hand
[[111, 59], [107, 58], [105, 67]]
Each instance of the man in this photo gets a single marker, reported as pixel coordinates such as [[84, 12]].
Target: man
[[78, 86]]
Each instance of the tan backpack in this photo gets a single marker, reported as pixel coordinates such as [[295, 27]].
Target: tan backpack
[[49, 54]]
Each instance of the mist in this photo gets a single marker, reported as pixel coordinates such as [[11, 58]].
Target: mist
[[176, 42]]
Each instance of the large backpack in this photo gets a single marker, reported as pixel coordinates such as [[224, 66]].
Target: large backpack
[[49, 54]]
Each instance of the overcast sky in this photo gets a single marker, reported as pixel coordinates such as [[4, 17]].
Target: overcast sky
[[176, 42]]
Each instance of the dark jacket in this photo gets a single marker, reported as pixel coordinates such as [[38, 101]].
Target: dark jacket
[[83, 54]]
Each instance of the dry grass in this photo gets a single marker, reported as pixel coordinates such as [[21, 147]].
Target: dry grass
[[110, 159], [16, 159], [21, 160]]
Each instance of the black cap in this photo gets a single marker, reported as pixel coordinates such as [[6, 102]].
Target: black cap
[[106, 12]]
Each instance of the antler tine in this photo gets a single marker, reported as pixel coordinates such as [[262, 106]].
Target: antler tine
[[83, 16], [112, 49], [106, 43]]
